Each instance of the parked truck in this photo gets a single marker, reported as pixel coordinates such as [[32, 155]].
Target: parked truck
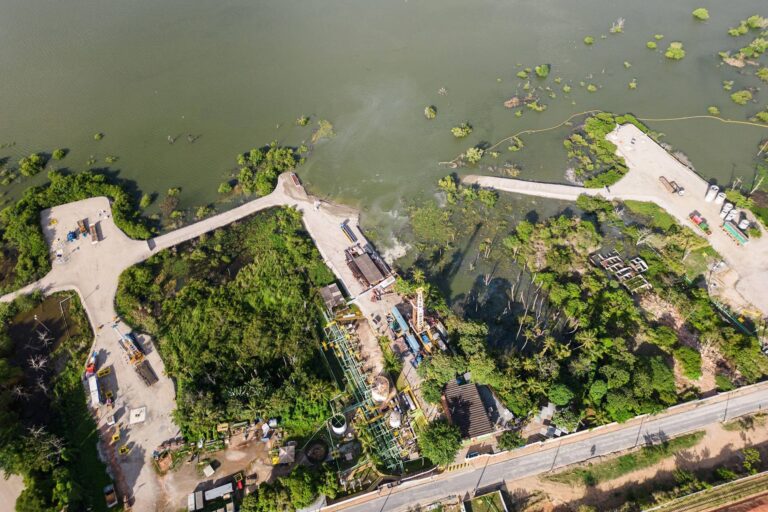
[[110, 496], [700, 221], [94, 234], [668, 185]]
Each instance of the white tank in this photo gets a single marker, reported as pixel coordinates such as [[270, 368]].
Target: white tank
[[395, 419], [731, 215], [723, 214], [711, 193], [720, 198], [744, 224], [380, 389], [339, 425], [727, 207]]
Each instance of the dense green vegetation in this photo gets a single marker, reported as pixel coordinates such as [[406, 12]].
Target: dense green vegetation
[[614, 468], [701, 14], [741, 97], [233, 316], [462, 130], [439, 441], [592, 155], [296, 490], [259, 168], [595, 350], [47, 434], [675, 51], [25, 252]]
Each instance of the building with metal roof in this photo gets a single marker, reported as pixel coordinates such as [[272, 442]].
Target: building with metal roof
[[466, 410]]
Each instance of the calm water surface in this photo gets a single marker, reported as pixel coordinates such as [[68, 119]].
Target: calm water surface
[[238, 73]]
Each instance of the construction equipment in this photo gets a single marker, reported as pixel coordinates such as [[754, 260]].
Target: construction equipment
[[90, 367], [135, 356], [128, 344], [419, 325]]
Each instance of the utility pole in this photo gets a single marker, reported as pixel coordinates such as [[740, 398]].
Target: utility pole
[[640, 430]]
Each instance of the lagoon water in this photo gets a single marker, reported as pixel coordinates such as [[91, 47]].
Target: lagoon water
[[237, 74]]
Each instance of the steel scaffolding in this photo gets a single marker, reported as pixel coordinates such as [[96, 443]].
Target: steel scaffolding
[[383, 442]]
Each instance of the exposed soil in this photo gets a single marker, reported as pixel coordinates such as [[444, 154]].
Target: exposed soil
[[667, 314], [719, 447]]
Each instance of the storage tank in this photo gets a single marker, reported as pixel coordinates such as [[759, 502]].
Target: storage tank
[[380, 390], [720, 198], [395, 419], [723, 214], [731, 215], [711, 193], [727, 207], [339, 425], [744, 224]]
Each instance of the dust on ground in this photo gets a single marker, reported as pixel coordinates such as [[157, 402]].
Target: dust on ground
[[251, 457], [718, 447]]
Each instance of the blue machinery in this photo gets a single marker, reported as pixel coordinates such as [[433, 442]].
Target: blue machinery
[[403, 328]]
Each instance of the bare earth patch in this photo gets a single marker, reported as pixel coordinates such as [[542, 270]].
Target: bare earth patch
[[667, 314], [718, 447]]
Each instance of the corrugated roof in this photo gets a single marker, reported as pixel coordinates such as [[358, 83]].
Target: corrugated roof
[[466, 410], [368, 268], [332, 296]]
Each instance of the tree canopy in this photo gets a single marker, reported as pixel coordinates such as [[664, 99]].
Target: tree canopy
[[236, 324]]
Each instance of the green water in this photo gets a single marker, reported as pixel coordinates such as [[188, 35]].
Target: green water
[[238, 73]]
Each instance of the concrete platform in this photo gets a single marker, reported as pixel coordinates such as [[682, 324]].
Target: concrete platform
[[647, 161]]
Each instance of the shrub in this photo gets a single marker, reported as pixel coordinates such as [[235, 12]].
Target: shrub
[[675, 51], [302, 120], [58, 154], [651, 45], [439, 442], [690, 360], [542, 71], [225, 188], [473, 155], [430, 112], [511, 439], [98, 136], [701, 14], [461, 131], [32, 164], [589, 40], [560, 394], [741, 97], [592, 88], [762, 74], [145, 201], [714, 111]]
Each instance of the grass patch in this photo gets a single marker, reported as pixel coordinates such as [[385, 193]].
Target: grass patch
[[392, 364], [746, 423], [488, 503], [657, 216], [610, 469]]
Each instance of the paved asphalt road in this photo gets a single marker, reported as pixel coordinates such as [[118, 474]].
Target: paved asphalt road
[[678, 420]]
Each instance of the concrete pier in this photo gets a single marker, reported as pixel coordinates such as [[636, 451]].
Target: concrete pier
[[647, 162]]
